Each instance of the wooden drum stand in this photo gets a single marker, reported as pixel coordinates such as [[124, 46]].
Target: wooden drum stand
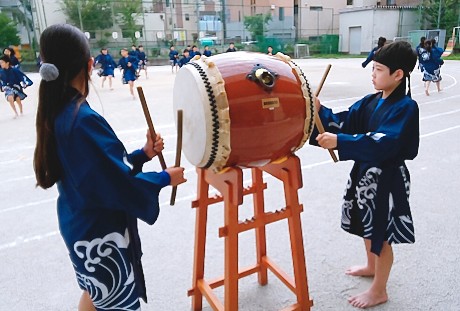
[[230, 184]]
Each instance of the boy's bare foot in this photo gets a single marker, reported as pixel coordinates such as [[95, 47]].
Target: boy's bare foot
[[427, 93], [360, 271], [368, 299]]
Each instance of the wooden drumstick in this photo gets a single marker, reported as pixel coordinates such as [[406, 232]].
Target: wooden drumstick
[[318, 123], [178, 152], [150, 124]]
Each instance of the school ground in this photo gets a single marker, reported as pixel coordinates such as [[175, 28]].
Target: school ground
[[36, 274]]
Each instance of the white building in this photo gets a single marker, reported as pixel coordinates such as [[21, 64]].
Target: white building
[[360, 27]]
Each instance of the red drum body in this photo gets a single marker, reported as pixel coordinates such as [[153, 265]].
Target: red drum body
[[242, 109]]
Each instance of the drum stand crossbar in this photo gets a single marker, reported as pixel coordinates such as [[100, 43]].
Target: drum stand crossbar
[[230, 184]]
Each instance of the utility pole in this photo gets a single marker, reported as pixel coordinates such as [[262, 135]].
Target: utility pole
[[439, 13], [26, 19], [197, 9], [79, 14], [224, 22]]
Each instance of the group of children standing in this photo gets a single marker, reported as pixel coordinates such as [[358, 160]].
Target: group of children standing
[[188, 53], [131, 63]]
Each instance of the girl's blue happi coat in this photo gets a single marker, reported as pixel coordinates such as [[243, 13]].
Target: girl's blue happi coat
[[102, 192], [379, 140]]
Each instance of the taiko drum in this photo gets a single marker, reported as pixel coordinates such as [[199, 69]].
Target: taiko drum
[[242, 109]]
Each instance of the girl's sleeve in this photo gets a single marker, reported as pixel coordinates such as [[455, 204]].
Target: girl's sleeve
[[137, 158], [398, 135], [108, 176]]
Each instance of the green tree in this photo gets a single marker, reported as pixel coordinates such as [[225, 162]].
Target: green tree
[[256, 24], [91, 15], [448, 17], [8, 31], [128, 12]]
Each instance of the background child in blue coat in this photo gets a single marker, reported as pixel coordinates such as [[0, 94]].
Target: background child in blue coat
[[12, 82], [107, 66], [102, 188], [129, 65], [173, 58], [378, 133], [142, 61]]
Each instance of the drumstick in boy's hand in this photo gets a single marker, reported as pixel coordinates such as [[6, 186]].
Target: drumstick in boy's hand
[[149, 123], [318, 123], [178, 152]]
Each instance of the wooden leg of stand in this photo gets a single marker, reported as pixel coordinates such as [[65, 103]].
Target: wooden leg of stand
[[231, 251], [259, 210], [290, 174], [230, 185], [295, 232], [200, 239]]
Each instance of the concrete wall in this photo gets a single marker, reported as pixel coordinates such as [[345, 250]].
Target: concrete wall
[[397, 23], [236, 10], [312, 23]]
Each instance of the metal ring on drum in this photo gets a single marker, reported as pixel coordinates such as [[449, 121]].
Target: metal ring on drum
[[242, 109]]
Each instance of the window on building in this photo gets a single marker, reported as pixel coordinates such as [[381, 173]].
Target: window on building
[[239, 16], [187, 16], [349, 2], [281, 14], [391, 2]]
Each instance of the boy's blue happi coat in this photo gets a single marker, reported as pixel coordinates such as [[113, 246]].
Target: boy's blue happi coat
[[102, 192], [379, 139]]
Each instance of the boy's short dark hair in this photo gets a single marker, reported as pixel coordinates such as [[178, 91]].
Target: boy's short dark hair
[[186, 51], [397, 55], [140, 46], [5, 58]]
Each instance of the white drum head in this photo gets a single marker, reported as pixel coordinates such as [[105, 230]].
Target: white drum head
[[199, 91]]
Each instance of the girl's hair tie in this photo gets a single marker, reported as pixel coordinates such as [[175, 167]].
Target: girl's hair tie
[[49, 72]]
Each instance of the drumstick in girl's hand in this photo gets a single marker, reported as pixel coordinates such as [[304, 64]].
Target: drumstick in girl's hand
[[178, 152], [149, 123], [318, 123]]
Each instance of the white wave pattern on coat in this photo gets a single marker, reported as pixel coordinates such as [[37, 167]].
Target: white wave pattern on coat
[[108, 278]]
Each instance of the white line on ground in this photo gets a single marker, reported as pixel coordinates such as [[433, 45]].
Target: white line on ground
[[19, 241], [440, 131], [439, 114]]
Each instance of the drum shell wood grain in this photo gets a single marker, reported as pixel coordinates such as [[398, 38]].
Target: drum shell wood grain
[[261, 135]]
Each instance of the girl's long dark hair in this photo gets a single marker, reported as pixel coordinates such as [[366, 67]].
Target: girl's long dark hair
[[67, 48]]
